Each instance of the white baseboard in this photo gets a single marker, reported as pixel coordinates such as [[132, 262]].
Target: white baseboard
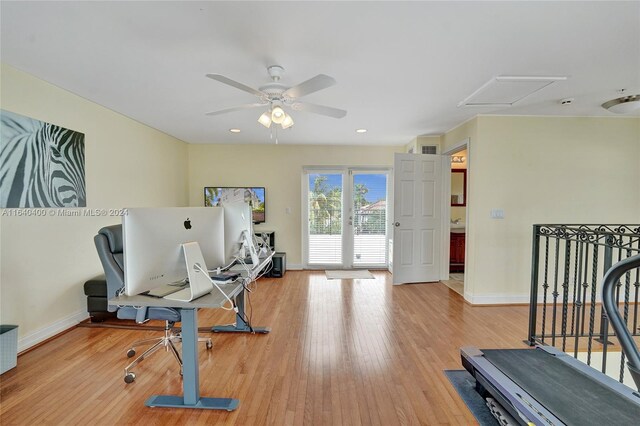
[[497, 299], [51, 330], [294, 267], [491, 299], [468, 297]]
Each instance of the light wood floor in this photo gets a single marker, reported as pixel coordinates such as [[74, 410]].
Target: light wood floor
[[341, 352], [455, 285]]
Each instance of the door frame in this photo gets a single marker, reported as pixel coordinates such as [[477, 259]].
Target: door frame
[[346, 190], [446, 178]]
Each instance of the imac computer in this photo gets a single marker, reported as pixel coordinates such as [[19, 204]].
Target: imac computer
[[238, 239], [153, 255], [238, 230]]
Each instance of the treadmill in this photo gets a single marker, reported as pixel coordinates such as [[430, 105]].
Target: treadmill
[[545, 386]]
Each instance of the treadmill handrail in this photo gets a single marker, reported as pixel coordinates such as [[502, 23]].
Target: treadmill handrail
[[628, 345]]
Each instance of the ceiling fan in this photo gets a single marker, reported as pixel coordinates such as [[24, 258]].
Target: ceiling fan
[[276, 95]]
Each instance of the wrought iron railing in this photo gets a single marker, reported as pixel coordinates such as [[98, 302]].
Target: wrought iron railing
[[568, 265]]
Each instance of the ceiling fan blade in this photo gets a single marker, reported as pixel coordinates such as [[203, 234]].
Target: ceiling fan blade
[[319, 109], [238, 108], [314, 84], [233, 83]]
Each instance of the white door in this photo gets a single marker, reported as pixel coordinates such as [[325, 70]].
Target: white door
[[417, 218], [345, 218]]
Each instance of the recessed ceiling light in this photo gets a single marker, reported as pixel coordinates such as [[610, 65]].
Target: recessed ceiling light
[[234, 130], [361, 130]]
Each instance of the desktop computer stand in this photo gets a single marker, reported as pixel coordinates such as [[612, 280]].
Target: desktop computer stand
[[241, 325]]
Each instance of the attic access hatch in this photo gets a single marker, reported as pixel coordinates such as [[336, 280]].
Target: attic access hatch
[[504, 91]]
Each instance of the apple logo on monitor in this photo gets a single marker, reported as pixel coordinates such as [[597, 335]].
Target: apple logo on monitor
[[187, 224]]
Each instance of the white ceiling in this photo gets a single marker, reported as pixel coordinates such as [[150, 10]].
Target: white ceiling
[[401, 67]]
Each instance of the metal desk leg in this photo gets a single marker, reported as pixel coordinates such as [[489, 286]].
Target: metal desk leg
[[241, 326], [190, 379]]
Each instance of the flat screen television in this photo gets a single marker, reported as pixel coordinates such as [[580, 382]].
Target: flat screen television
[[254, 195]]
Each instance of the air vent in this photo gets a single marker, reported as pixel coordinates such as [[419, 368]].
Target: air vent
[[504, 91], [429, 149]]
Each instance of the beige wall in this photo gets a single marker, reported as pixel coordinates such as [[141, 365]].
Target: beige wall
[[411, 147], [279, 169], [541, 170], [466, 130], [459, 213], [417, 143], [45, 260]]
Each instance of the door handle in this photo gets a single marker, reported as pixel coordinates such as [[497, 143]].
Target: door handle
[[396, 224]]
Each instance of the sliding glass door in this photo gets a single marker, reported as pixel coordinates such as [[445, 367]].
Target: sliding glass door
[[369, 218], [345, 223]]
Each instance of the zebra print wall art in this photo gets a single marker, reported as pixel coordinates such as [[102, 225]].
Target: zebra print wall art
[[41, 164]]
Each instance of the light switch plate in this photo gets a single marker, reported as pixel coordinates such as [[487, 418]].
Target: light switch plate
[[497, 214]]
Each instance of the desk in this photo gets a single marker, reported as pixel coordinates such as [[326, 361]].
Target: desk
[[190, 379], [241, 325]]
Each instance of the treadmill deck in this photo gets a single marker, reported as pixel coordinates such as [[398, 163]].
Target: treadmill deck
[[571, 395]]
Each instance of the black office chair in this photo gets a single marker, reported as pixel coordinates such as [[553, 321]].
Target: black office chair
[[109, 244]]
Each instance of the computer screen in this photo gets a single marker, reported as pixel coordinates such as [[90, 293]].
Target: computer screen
[[152, 243], [255, 196], [237, 219]]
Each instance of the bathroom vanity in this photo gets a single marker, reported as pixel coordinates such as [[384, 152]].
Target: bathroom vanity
[[456, 253]]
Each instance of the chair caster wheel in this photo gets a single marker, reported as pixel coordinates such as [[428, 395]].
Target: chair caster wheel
[[131, 353], [209, 344], [129, 378]]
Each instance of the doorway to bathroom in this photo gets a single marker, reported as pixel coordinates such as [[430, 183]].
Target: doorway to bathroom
[[459, 179]]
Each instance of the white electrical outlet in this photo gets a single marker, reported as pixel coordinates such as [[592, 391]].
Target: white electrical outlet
[[287, 210], [497, 214]]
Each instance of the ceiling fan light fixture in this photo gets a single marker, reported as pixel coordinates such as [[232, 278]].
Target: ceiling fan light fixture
[[623, 105], [287, 122], [265, 119], [277, 115]]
